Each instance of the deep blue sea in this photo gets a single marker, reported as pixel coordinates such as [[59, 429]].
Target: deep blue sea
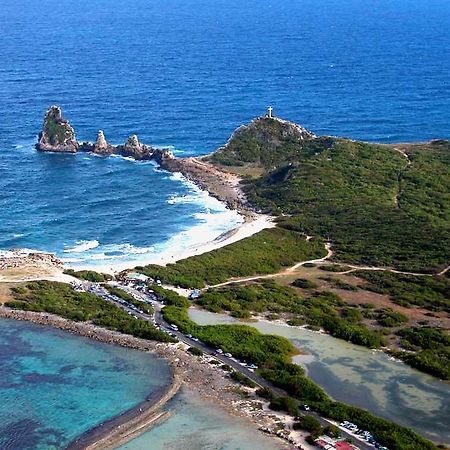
[[185, 73]]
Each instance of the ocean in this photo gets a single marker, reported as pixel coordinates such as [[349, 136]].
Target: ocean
[[185, 74], [181, 74]]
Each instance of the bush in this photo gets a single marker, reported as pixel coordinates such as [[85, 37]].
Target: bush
[[240, 378], [286, 403], [333, 431], [303, 283], [195, 351], [89, 275], [309, 423], [390, 318]]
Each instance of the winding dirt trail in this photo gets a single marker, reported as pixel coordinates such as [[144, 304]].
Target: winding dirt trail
[[353, 268], [287, 271]]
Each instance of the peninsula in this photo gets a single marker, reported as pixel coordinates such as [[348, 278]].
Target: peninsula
[[356, 223]]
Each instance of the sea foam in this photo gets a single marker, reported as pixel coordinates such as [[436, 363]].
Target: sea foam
[[82, 246]]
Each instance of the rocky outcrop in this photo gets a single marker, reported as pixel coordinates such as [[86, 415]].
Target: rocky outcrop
[[57, 135], [17, 259], [134, 149], [101, 146]]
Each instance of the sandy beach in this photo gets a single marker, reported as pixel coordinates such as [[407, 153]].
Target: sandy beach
[[251, 226]]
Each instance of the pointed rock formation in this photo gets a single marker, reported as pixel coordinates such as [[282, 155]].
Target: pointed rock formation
[[101, 141], [101, 146], [57, 135]]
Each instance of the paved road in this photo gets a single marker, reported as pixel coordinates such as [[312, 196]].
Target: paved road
[[158, 320]]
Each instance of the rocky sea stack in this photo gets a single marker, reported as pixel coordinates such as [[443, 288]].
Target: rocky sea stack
[[58, 136]]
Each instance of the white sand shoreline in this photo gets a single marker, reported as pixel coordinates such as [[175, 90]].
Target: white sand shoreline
[[248, 228]]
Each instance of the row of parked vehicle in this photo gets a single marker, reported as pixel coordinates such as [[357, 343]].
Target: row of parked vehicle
[[366, 435]]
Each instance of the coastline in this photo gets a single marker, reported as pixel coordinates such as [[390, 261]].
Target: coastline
[[188, 370], [248, 228], [222, 185]]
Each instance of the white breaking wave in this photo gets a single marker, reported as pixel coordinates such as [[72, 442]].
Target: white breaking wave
[[82, 246]]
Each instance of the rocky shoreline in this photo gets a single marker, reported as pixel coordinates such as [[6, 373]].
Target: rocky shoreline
[[58, 136], [188, 370], [17, 259]]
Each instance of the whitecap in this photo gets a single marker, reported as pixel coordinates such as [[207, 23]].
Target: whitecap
[[82, 246]]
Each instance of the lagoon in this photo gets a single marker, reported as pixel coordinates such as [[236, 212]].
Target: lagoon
[[362, 377], [54, 386]]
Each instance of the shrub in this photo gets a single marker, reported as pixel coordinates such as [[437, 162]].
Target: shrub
[[89, 275], [195, 351], [303, 283]]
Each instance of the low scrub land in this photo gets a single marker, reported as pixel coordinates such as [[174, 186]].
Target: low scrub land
[[266, 252], [320, 309], [380, 205], [360, 324], [61, 299], [429, 350], [432, 293]]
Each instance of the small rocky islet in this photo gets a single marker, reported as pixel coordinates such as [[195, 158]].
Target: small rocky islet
[[58, 136]]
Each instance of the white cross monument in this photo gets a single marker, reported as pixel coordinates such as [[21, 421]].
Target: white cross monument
[[269, 112]]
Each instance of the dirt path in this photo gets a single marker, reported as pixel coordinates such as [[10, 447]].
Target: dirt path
[[353, 268], [287, 271]]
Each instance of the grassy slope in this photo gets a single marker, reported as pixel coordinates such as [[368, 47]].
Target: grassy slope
[[375, 207], [266, 252]]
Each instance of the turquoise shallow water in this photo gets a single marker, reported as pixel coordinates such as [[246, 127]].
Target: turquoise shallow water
[[55, 386], [199, 425]]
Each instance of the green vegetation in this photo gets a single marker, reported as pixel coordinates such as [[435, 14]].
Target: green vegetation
[[195, 351], [288, 404], [240, 378], [145, 307], [321, 309], [390, 318], [271, 354], [170, 297], [334, 268], [56, 129], [62, 300], [256, 297], [309, 423], [332, 431], [266, 252], [375, 205], [304, 284], [432, 293], [241, 341], [431, 347], [393, 436], [89, 275]]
